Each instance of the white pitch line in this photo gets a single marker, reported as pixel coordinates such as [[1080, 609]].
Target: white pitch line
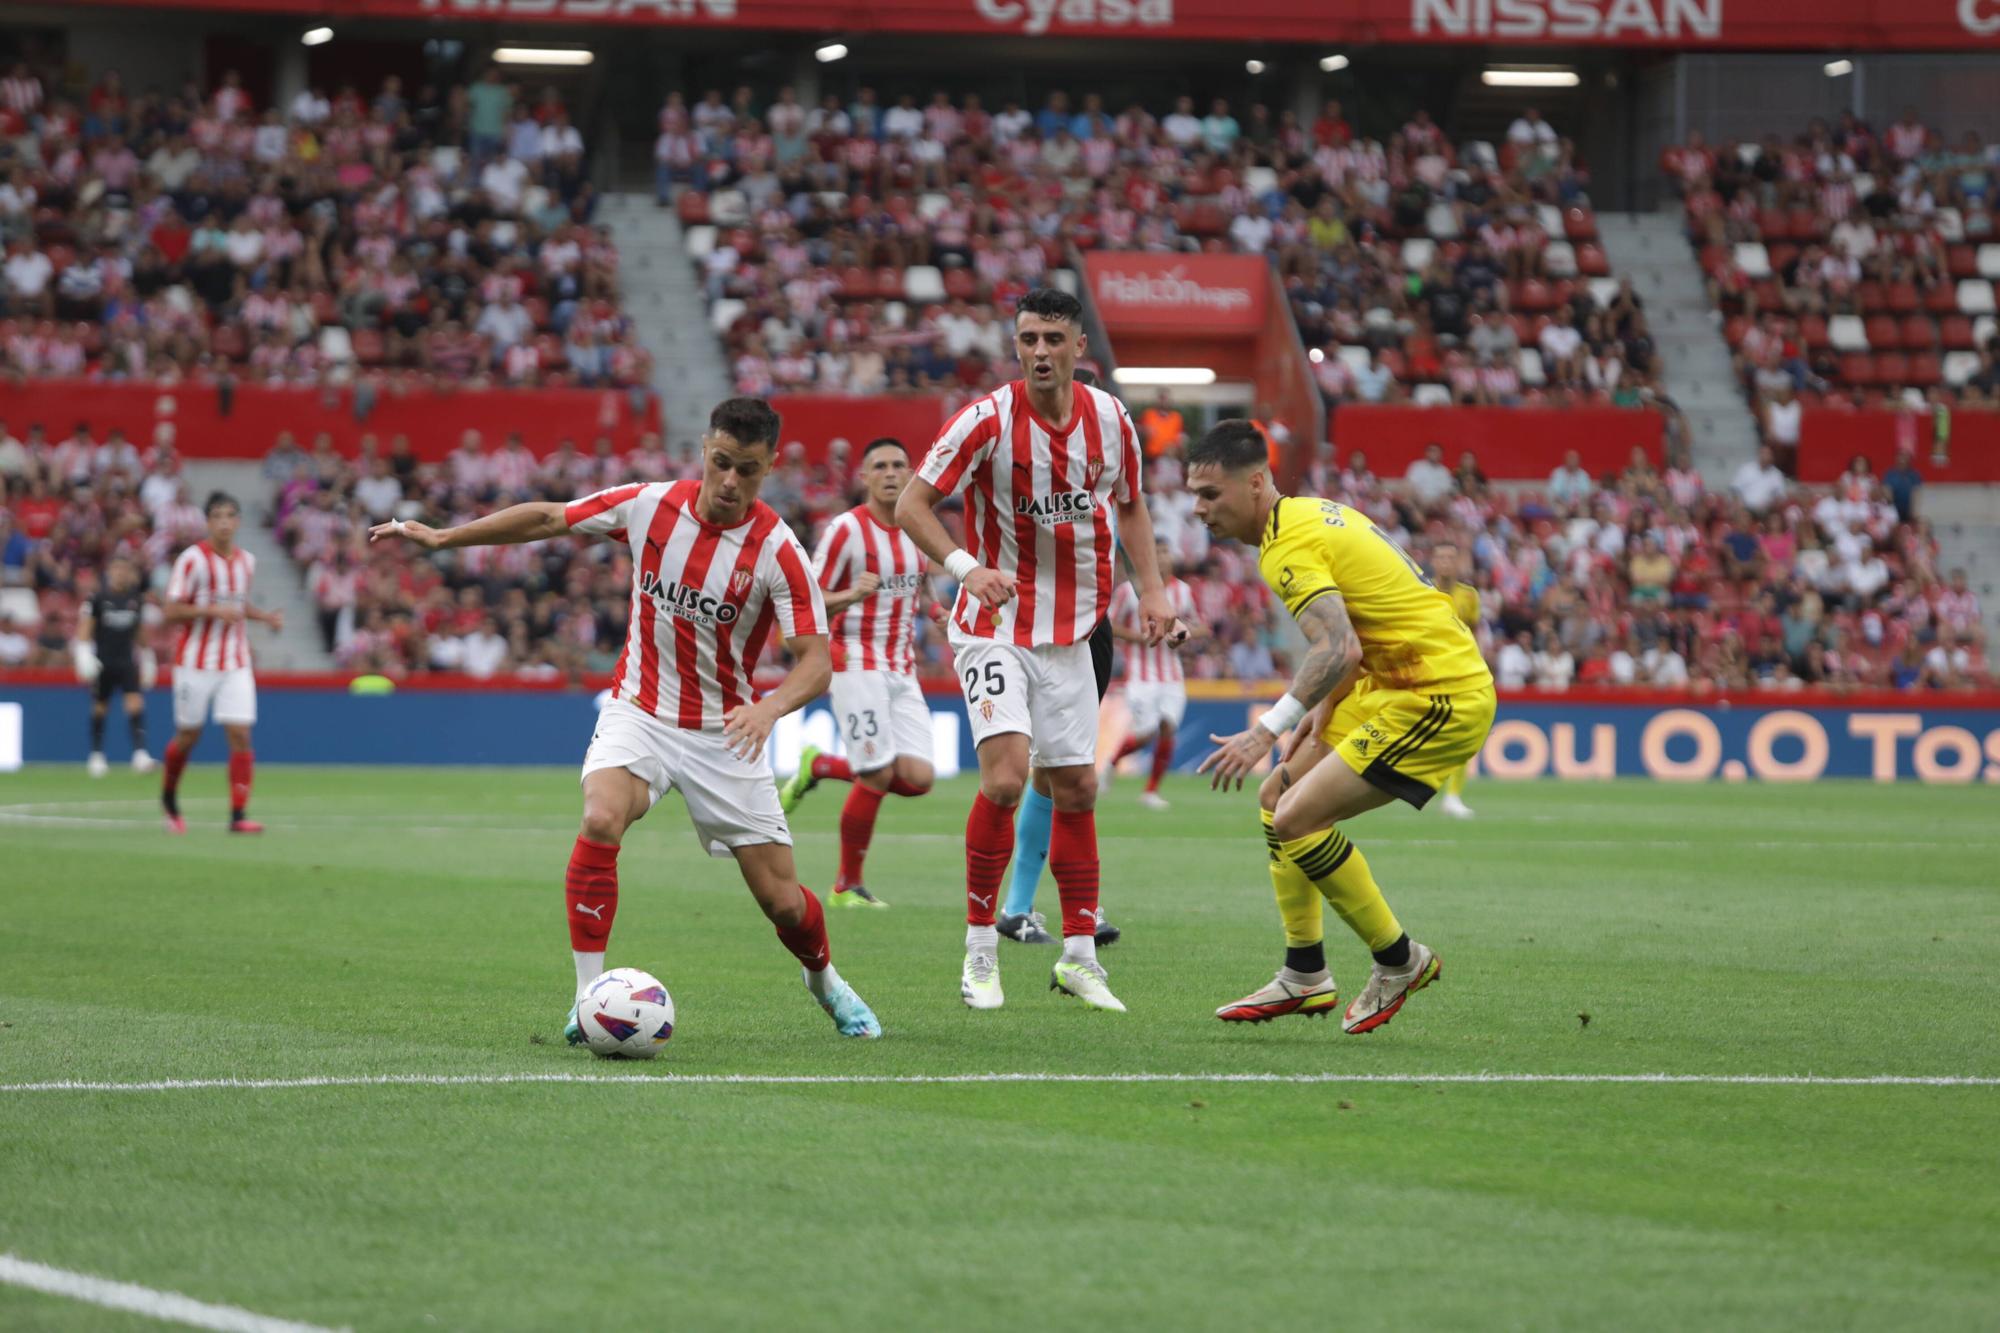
[[816, 1080], [168, 1306]]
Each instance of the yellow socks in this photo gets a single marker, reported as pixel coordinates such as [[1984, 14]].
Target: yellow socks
[[1298, 902], [1338, 870]]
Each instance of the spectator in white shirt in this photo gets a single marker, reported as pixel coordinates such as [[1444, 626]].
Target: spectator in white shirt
[[380, 492], [506, 322], [28, 272], [1374, 382], [1251, 229], [1554, 668], [1561, 347], [1183, 127], [905, 120], [1783, 415], [1430, 481], [1530, 128], [1570, 484], [1515, 662], [310, 107], [504, 179], [1759, 485], [13, 455], [561, 139], [485, 651], [1665, 668]]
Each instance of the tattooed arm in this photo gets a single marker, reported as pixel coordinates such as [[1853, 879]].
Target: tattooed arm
[[1332, 660]]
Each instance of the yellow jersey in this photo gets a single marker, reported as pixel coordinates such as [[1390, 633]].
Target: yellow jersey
[[1465, 603], [1411, 635]]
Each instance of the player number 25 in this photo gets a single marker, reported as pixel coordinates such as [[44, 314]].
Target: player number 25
[[996, 684]]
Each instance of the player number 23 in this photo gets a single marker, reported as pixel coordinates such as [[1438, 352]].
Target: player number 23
[[854, 732], [995, 683]]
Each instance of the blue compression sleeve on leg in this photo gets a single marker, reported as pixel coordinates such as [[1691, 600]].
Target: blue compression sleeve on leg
[[1031, 851]]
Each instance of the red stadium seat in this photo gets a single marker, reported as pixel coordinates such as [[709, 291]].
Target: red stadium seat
[[1782, 255], [1734, 328], [1891, 368], [889, 284], [1926, 370], [1941, 299], [1532, 294], [227, 342], [1882, 331], [1773, 224], [1813, 329], [368, 347], [1962, 261], [1579, 224], [1904, 299], [1955, 331], [1804, 225], [1856, 367], [1591, 261], [960, 285], [1919, 333], [1873, 297], [692, 206], [856, 284]]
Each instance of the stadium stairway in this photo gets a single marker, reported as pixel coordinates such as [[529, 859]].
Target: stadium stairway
[[280, 581], [1966, 522], [1697, 372], [669, 313]]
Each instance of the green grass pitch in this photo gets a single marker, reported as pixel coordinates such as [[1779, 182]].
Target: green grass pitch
[[409, 922]]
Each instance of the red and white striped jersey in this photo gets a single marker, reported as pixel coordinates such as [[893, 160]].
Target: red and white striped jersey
[[201, 577], [1159, 662], [704, 598], [1039, 506], [877, 633]]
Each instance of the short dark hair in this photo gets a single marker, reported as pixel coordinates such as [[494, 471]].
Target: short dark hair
[[747, 420], [1084, 375], [1051, 303], [216, 499], [1234, 445], [883, 442]]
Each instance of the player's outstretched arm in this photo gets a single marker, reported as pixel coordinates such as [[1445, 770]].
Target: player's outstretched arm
[[533, 522], [916, 514], [1327, 672], [747, 726]]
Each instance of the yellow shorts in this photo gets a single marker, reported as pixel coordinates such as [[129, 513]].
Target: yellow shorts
[[1407, 742]]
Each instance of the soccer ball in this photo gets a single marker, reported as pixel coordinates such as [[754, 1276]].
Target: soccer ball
[[626, 1013]]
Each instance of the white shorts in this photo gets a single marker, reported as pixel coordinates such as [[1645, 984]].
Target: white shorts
[[881, 714], [230, 695], [1048, 692], [731, 801], [1152, 702]]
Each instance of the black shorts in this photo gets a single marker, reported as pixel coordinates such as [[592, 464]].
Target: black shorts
[[1100, 656], [116, 678]]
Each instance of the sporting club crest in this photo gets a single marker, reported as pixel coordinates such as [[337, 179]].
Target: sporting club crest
[[739, 583]]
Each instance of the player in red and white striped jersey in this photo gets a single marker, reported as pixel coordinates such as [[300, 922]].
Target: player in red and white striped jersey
[[873, 578], [1050, 472], [208, 596], [715, 571], [1155, 691]]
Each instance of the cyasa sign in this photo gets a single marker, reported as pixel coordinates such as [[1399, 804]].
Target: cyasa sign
[[1193, 294]]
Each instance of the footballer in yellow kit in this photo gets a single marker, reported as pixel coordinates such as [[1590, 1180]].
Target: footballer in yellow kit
[[1392, 687]]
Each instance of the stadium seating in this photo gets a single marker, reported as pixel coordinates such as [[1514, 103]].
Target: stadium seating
[[339, 237], [878, 262], [1846, 266]]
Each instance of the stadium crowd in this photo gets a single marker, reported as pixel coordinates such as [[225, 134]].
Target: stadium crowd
[[1643, 578], [852, 247], [1850, 265], [445, 233]]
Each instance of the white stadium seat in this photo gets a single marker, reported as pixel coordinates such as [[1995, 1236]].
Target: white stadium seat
[[1603, 291], [335, 344], [1441, 221], [1354, 358], [701, 241], [1559, 259], [1989, 260], [1260, 180], [725, 313], [1064, 279], [1431, 395], [1753, 259], [1983, 330], [1847, 333], [931, 204], [1417, 252], [1960, 367], [729, 208], [922, 282], [1950, 224], [1530, 362], [1975, 296], [1550, 218]]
